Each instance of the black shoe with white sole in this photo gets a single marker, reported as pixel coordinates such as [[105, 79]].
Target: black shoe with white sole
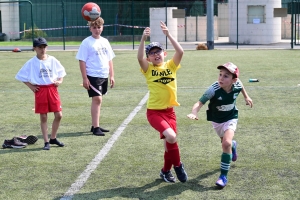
[[167, 176], [31, 139]]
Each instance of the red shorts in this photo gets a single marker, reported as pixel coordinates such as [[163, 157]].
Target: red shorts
[[47, 99], [162, 120]]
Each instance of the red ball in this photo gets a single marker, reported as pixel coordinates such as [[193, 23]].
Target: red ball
[[90, 11]]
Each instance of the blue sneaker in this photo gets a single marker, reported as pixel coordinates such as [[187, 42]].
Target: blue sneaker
[[181, 174], [222, 181], [234, 151]]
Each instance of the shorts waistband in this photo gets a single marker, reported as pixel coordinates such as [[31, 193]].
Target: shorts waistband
[[47, 86], [166, 109]]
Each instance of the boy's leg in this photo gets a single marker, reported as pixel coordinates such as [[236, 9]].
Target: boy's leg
[[98, 88], [56, 108], [171, 146], [42, 108], [95, 113], [44, 126], [55, 125], [157, 120], [173, 150], [95, 110], [167, 159], [226, 157], [165, 172], [234, 151]]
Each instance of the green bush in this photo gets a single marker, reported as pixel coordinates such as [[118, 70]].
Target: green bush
[[36, 33]]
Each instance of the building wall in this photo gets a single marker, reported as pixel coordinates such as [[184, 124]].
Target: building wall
[[223, 19], [10, 20], [250, 33], [157, 15], [188, 31], [286, 29]]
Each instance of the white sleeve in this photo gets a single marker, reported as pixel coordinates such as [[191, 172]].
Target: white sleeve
[[208, 94], [24, 72], [111, 53], [82, 53], [60, 70]]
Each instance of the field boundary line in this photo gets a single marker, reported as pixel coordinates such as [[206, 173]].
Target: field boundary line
[[83, 177]]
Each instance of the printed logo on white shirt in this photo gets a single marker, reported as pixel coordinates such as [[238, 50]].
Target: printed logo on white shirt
[[46, 73]]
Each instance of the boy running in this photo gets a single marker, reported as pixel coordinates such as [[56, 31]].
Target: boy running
[[223, 113]]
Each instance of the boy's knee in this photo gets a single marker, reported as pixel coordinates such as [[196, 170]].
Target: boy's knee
[[43, 118], [58, 115], [171, 139], [97, 99], [170, 135], [226, 144]]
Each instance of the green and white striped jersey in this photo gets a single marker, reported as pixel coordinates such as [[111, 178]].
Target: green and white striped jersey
[[222, 105]]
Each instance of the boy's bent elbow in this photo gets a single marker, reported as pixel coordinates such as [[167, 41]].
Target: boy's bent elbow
[[181, 53]]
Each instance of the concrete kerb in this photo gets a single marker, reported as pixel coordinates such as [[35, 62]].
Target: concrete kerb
[[221, 44]]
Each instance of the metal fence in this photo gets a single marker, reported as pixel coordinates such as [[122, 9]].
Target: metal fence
[[57, 19]]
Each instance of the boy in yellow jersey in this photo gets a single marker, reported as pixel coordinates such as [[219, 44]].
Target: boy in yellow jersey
[[162, 84]]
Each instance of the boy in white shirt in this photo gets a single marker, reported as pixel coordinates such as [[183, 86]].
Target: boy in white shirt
[[43, 74], [95, 60]]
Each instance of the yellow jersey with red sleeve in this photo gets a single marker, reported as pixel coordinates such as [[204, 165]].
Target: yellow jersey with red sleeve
[[162, 85]]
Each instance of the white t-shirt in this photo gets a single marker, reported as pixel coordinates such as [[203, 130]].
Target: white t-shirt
[[41, 72], [96, 53]]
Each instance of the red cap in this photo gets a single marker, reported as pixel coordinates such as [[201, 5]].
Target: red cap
[[232, 68]]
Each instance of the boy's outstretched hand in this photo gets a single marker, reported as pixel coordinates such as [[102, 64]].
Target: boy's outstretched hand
[[146, 33], [192, 116], [249, 102], [164, 28]]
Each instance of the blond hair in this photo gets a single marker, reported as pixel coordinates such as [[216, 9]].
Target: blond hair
[[98, 22]]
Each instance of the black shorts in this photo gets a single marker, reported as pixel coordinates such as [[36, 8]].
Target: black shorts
[[98, 86]]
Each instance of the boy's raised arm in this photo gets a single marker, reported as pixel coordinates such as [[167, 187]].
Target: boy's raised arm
[[140, 55], [178, 49]]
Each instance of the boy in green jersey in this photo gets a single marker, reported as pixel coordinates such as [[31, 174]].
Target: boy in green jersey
[[223, 114]]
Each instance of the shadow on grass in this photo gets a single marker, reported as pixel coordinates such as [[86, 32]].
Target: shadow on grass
[[12, 150], [27, 149], [73, 134], [148, 192]]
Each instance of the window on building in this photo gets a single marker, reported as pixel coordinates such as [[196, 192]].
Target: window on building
[[256, 14]]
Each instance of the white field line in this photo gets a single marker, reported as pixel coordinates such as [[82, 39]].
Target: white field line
[[83, 177]]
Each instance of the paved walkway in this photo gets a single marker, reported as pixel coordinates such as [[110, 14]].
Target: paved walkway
[[221, 44]]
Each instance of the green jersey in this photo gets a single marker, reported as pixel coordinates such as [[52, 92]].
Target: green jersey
[[221, 107]]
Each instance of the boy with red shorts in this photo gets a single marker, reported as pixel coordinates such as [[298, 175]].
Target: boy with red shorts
[[162, 84], [43, 74]]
